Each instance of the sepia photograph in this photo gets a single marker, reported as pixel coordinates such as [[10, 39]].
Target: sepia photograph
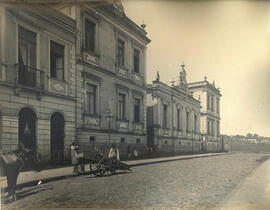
[[135, 104]]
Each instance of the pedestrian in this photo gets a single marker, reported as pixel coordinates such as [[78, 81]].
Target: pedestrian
[[135, 153], [129, 152], [114, 153], [74, 160], [80, 156]]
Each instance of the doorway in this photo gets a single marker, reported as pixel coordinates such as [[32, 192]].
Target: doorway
[[27, 128], [57, 138]]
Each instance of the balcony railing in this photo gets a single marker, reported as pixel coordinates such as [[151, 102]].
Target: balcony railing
[[29, 76]]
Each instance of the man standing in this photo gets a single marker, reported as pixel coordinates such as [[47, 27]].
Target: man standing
[[74, 160]]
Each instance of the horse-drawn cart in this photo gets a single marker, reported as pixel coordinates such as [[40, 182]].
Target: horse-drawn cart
[[104, 165]]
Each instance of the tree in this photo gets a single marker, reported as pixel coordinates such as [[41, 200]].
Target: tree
[[249, 135], [255, 135]]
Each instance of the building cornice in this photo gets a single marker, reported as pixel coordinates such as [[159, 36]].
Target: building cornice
[[123, 20], [48, 14], [203, 85]]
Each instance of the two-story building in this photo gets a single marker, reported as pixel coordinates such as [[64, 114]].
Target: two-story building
[[173, 117], [37, 80], [111, 77], [210, 113]]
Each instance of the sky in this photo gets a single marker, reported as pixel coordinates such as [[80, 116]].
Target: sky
[[227, 41]]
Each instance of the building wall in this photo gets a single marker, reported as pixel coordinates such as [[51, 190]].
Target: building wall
[[202, 90], [53, 96], [100, 69], [170, 139]]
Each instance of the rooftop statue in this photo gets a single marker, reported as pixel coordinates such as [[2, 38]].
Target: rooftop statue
[[157, 77], [183, 79]]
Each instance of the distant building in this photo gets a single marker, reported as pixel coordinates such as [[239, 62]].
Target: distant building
[[173, 117], [210, 113]]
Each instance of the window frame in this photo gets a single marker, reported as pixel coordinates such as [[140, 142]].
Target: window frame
[[94, 35], [88, 81], [123, 114], [165, 116], [137, 115], [136, 50], [187, 121], [87, 106], [63, 61], [178, 119], [123, 43]]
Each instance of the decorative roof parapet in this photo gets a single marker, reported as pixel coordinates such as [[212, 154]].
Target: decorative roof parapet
[[121, 17]]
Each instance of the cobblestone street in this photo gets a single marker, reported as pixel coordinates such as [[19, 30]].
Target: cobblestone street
[[204, 182]]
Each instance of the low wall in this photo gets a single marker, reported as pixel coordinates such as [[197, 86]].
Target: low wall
[[249, 147]]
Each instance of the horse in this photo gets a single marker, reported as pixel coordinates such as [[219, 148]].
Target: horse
[[12, 164]]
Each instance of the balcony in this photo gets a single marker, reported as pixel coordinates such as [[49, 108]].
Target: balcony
[[24, 76]]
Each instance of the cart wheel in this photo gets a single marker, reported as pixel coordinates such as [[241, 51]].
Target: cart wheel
[[100, 169]]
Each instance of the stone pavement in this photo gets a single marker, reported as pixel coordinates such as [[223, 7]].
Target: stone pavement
[[32, 177], [253, 193]]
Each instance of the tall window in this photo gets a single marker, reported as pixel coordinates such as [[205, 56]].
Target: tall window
[[208, 102], [218, 129], [212, 128], [91, 99], [120, 52], [208, 127], [121, 106], [212, 103], [27, 57], [136, 61], [187, 122], [195, 123], [217, 105], [57, 60], [137, 110], [90, 28], [165, 115], [27, 47], [178, 119]]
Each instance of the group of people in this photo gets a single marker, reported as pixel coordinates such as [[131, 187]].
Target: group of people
[[132, 152], [113, 154]]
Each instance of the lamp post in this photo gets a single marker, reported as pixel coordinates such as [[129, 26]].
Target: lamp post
[[109, 118]]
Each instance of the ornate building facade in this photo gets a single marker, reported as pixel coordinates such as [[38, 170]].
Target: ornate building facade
[[210, 113], [71, 73], [37, 80], [111, 77], [173, 117]]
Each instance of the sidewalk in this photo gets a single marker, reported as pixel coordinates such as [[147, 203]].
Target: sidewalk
[[31, 177], [253, 193]]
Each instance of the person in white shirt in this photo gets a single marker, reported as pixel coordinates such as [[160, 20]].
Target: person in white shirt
[[114, 153]]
